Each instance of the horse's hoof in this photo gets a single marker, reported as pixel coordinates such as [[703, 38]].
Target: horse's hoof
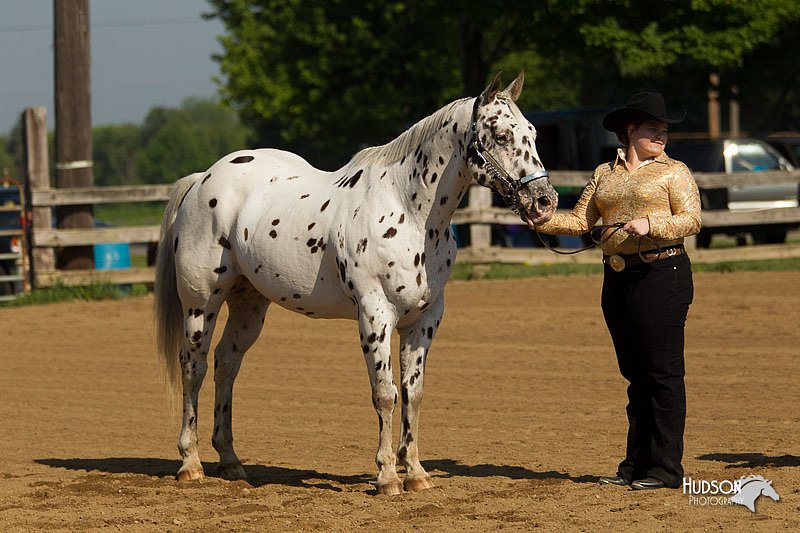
[[231, 472], [190, 475], [416, 484], [392, 488]]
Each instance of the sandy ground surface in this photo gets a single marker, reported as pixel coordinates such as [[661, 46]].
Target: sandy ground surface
[[523, 410]]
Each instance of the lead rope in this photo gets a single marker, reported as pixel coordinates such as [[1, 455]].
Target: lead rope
[[602, 240]]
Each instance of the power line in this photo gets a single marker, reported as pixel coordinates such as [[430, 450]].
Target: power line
[[140, 23]]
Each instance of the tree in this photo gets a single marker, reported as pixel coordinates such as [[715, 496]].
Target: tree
[[324, 78], [177, 142], [115, 151], [769, 84], [6, 159]]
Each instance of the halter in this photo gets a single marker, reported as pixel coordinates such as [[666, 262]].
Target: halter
[[494, 168]]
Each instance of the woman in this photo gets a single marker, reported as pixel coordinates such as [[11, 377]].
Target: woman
[[647, 286]]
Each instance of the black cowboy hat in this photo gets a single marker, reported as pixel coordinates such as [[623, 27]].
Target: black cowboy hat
[[647, 106]]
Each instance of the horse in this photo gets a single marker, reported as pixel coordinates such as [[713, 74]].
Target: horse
[[369, 242], [751, 487]]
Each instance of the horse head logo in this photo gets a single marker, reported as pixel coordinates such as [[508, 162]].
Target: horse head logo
[[751, 487]]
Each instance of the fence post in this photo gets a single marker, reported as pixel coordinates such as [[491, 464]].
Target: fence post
[[37, 177], [480, 235]]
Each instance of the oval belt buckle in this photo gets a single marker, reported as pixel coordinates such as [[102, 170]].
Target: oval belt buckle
[[617, 263]]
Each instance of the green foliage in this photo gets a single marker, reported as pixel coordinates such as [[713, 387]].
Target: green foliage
[[131, 214], [325, 78], [63, 293], [461, 271], [714, 33], [177, 142], [504, 271], [553, 82], [6, 159], [769, 84], [509, 271], [115, 148], [171, 143], [12, 151], [768, 265]]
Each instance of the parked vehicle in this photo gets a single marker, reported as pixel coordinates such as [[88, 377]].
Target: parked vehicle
[[10, 244], [788, 144], [739, 155]]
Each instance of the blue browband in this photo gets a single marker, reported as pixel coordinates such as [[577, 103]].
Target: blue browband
[[533, 176]]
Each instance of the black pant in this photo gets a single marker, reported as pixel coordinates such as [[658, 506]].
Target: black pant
[[645, 308]]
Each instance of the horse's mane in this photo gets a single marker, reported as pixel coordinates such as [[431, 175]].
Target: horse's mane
[[748, 479], [407, 141]]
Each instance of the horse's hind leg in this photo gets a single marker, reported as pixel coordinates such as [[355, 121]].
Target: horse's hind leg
[[199, 321], [415, 341], [247, 309]]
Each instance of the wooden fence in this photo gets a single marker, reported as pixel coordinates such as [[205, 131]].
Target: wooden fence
[[479, 215]]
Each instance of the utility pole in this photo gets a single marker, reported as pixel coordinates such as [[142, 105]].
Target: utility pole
[[73, 120]]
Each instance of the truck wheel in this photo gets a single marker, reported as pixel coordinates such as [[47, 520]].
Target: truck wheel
[[769, 236], [703, 239]]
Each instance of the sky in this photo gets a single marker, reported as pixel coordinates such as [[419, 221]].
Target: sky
[[145, 53]]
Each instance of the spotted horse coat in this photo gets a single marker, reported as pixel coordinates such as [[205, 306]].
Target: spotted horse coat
[[369, 242]]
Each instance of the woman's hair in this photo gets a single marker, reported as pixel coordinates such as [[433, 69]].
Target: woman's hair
[[635, 120]]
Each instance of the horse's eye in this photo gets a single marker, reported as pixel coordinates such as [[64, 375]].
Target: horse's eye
[[502, 137]]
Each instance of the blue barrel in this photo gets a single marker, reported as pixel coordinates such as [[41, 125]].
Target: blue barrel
[[112, 256]]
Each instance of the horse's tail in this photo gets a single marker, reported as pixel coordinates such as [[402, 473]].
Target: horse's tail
[[167, 310]]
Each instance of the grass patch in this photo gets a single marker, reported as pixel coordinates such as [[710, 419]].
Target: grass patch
[[63, 293], [501, 271], [790, 263], [108, 291], [131, 214], [504, 271]]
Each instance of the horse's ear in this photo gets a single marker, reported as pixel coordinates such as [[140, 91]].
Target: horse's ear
[[490, 91], [515, 87]]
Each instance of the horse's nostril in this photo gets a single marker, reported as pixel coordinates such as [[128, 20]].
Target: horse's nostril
[[543, 202]]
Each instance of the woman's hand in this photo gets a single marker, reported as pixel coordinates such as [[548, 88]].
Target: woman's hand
[[637, 226]]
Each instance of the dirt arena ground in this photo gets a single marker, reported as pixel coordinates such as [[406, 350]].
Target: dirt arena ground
[[523, 410]]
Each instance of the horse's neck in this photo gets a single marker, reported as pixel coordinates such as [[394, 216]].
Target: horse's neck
[[434, 177]]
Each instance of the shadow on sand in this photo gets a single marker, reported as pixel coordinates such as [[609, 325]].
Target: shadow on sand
[[454, 468], [259, 475], [752, 460]]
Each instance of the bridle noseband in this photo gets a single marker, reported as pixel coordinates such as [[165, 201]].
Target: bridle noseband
[[494, 168]]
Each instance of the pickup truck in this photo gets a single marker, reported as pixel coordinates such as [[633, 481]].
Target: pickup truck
[[739, 155]]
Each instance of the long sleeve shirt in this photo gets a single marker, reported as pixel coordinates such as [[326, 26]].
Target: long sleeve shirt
[[663, 190]]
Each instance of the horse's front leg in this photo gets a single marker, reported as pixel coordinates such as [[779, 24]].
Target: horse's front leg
[[376, 335], [415, 341]]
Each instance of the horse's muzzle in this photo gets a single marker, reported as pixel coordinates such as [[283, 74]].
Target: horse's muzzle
[[537, 202]]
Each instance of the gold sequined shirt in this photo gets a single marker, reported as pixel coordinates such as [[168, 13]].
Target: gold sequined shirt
[[663, 190]]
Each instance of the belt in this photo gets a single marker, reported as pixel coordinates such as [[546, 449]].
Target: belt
[[620, 262]]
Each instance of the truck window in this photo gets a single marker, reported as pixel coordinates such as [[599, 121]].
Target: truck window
[[751, 157]]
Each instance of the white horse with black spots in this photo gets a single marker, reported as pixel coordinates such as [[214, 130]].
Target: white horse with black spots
[[370, 242]]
